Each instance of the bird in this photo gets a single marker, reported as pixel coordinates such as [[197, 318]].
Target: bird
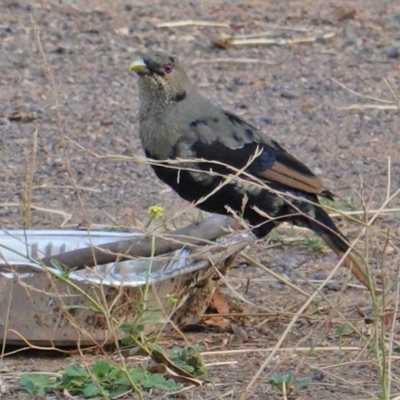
[[215, 159]]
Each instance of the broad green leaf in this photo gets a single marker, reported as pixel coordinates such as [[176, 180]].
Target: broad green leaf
[[91, 390], [101, 369], [35, 384], [301, 383]]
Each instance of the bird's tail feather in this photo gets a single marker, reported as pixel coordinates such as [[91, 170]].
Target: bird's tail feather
[[351, 261], [339, 244]]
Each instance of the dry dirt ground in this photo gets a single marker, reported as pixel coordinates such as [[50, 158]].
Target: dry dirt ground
[[293, 92]]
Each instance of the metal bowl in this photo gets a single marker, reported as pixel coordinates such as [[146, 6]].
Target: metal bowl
[[47, 306]]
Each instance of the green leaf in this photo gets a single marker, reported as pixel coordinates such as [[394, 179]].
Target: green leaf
[[153, 317], [345, 330], [75, 371], [120, 390], [157, 347], [278, 380], [30, 387], [137, 374], [91, 390], [159, 381], [301, 383], [74, 379], [190, 360], [116, 374], [396, 349], [101, 369], [132, 331], [133, 350], [35, 384]]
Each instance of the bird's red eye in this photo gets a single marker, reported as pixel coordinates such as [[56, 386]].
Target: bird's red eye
[[167, 69]]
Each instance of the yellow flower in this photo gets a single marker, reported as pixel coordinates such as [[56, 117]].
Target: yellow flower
[[155, 212], [172, 299]]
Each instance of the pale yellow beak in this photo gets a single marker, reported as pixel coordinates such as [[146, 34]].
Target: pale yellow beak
[[139, 66]]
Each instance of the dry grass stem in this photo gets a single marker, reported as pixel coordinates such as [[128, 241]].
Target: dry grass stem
[[282, 349], [64, 141], [67, 216], [369, 107], [278, 277], [180, 24], [342, 85], [226, 60], [251, 386], [233, 41], [31, 161]]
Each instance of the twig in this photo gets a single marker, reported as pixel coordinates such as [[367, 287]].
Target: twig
[[275, 275], [81, 188], [393, 331], [389, 178], [342, 85], [235, 61], [180, 24], [283, 349], [28, 182], [254, 35], [239, 295], [221, 363], [362, 212], [289, 28], [63, 139], [368, 107], [65, 215], [393, 93], [250, 387], [280, 42]]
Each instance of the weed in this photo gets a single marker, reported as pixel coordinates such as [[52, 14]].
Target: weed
[[103, 379], [287, 383]]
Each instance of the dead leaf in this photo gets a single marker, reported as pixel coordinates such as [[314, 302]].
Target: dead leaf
[[223, 43], [220, 322], [123, 31], [68, 395], [18, 116], [161, 358], [387, 317], [219, 302], [224, 342], [163, 369], [342, 13]]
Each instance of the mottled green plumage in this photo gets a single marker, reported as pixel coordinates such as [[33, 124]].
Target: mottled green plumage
[[177, 123]]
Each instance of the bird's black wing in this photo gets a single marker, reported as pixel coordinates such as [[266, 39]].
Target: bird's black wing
[[228, 139]]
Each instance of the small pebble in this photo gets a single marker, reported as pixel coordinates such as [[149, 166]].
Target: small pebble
[[239, 333], [396, 18], [290, 94], [317, 376], [279, 285], [394, 52], [267, 119], [320, 277]]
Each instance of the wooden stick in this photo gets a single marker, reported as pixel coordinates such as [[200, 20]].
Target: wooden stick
[[178, 24]]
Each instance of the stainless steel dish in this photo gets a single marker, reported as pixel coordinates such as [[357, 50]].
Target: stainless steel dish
[[46, 306]]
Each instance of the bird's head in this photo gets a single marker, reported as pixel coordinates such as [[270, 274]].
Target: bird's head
[[161, 78]]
